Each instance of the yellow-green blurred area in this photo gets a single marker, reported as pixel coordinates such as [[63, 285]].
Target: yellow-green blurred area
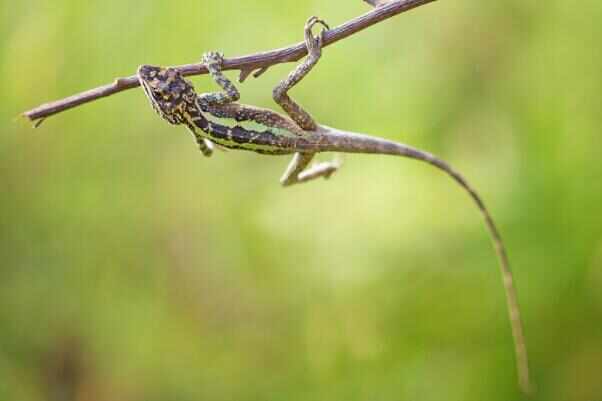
[[133, 268]]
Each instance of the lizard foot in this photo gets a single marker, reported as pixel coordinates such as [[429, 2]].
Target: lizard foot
[[324, 169], [313, 43], [213, 59]]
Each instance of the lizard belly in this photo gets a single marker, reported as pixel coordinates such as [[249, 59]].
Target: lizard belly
[[248, 135]]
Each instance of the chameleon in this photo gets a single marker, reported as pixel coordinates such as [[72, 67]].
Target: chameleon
[[216, 118]]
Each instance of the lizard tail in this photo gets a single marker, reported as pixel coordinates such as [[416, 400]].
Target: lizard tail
[[336, 140]]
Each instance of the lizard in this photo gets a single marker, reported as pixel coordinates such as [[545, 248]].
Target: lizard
[[217, 118]]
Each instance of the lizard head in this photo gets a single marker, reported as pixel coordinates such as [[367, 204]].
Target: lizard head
[[170, 94]]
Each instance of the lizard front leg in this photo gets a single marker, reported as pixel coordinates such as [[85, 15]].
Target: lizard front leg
[[214, 61], [205, 145], [296, 171]]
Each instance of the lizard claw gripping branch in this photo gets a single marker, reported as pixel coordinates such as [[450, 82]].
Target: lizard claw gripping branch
[[218, 118]]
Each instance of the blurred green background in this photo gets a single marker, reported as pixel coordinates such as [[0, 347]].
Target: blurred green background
[[132, 268]]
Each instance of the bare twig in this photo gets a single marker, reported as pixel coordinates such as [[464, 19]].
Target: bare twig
[[246, 64]]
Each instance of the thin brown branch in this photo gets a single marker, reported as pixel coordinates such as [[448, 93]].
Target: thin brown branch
[[246, 64]]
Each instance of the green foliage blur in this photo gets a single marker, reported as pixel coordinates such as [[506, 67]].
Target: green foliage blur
[[132, 268]]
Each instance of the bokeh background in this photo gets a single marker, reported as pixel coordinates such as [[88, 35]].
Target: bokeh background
[[132, 268]]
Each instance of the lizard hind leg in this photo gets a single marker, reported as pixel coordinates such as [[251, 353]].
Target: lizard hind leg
[[280, 95], [298, 170]]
